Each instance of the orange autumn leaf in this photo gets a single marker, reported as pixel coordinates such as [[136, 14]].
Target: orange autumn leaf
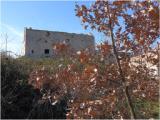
[[79, 13], [83, 57], [90, 70], [104, 48]]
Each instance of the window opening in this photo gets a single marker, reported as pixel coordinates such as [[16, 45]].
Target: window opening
[[46, 51]]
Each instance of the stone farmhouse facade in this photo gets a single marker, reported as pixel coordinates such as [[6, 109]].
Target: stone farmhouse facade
[[39, 43]]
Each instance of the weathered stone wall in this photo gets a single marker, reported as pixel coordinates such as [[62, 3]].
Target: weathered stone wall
[[36, 41]]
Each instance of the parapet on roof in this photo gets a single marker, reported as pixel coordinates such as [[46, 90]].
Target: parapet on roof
[[31, 29]]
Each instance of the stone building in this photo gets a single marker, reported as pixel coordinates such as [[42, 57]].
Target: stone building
[[39, 43]]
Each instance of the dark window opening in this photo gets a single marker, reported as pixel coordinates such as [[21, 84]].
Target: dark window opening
[[67, 40], [32, 51], [46, 51]]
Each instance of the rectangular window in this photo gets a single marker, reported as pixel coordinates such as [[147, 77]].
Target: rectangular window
[[67, 40], [46, 51], [32, 51]]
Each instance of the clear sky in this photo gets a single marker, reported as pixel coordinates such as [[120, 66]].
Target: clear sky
[[47, 15]]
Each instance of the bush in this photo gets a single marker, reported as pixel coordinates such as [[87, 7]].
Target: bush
[[17, 95], [19, 99]]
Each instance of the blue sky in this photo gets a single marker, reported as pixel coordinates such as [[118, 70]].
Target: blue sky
[[47, 15]]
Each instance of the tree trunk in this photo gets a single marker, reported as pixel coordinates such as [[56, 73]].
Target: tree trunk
[[126, 93], [125, 87]]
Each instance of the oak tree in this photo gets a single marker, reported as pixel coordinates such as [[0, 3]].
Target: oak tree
[[131, 25]]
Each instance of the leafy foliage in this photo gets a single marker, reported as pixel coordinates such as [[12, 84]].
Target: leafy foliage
[[93, 87], [117, 81]]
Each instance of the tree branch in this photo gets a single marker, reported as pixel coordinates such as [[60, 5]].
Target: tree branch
[[125, 87]]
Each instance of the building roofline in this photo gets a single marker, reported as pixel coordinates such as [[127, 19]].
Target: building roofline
[[56, 31]]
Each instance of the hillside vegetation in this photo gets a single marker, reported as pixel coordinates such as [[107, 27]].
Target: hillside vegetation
[[46, 88]]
